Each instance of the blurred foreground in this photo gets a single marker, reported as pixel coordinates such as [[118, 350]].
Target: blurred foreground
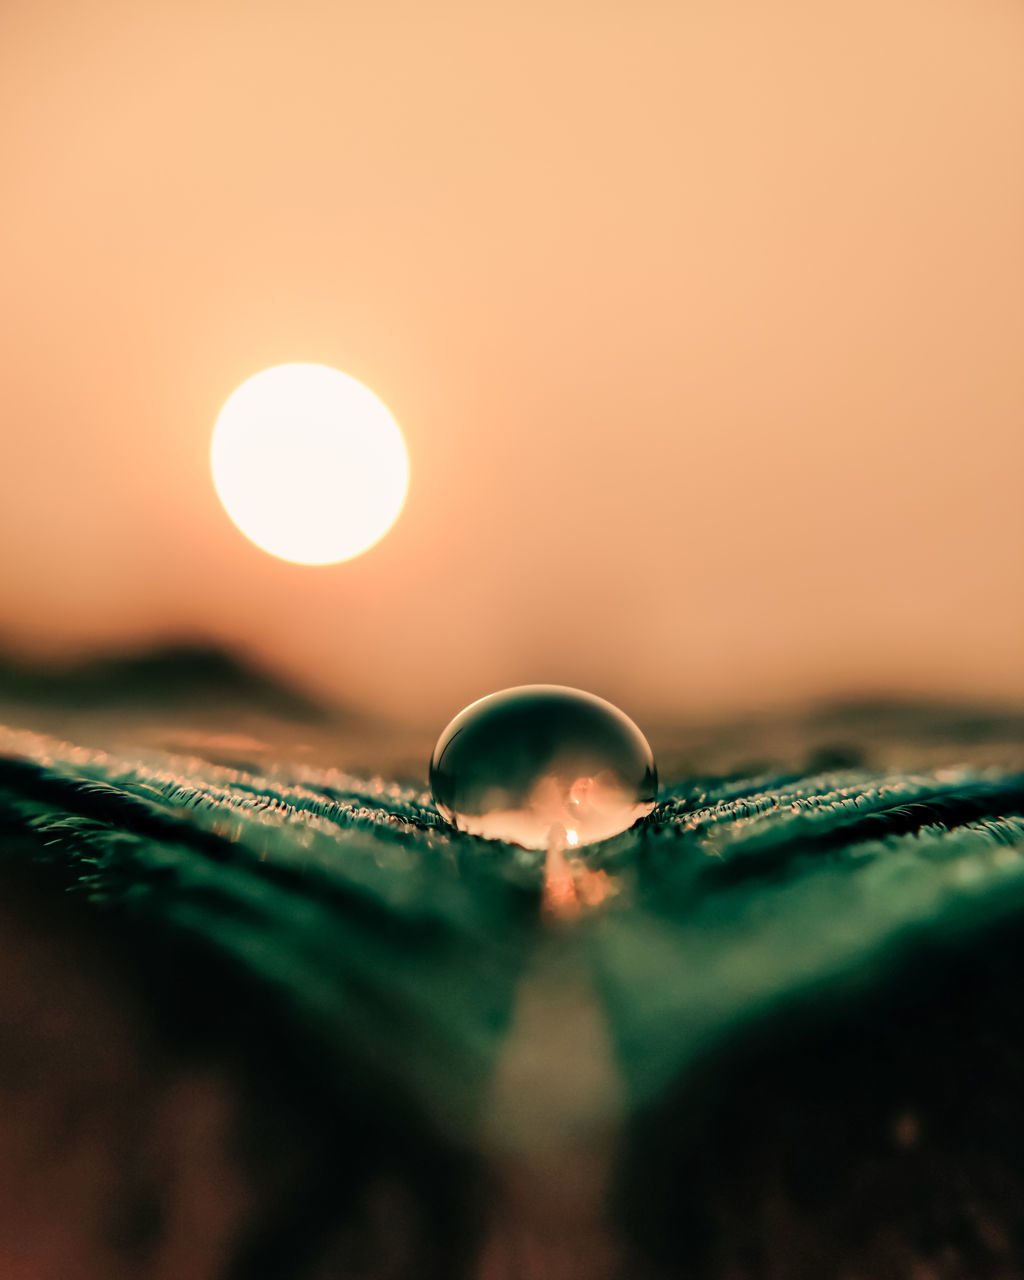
[[263, 1017]]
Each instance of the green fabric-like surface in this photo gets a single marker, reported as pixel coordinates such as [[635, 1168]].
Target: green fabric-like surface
[[387, 947], [361, 917], [355, 904]]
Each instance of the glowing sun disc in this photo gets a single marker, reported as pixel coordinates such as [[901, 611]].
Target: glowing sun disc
[[308, 463]]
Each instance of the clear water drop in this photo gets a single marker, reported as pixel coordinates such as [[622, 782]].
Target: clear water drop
[[543, 763]]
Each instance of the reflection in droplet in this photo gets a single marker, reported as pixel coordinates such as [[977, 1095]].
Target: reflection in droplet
[[540, 763]]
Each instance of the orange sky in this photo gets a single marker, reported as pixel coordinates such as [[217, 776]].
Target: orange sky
[[703, 322]]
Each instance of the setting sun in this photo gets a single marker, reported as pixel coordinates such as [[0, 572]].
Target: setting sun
[[309, 464]]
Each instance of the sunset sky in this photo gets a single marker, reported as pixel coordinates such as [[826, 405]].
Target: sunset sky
[[703, 323]]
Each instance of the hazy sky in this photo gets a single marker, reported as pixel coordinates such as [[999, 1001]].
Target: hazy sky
[[704, 323]]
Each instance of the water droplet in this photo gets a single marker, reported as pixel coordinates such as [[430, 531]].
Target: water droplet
[[519, 763]]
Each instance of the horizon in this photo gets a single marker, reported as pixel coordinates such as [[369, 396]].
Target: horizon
[[702, 328]]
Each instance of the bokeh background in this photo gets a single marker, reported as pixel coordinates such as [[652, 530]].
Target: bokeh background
[[703, 323]]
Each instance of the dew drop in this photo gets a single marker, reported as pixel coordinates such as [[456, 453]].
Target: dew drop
[[543, 762]]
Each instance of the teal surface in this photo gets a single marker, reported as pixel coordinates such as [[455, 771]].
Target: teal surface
[[379, 953], [388, 934]]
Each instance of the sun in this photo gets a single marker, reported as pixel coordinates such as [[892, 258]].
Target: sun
[[309, 464]]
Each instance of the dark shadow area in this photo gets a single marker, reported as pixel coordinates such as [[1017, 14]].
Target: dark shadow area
[[874, 1130], [178, 674]]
